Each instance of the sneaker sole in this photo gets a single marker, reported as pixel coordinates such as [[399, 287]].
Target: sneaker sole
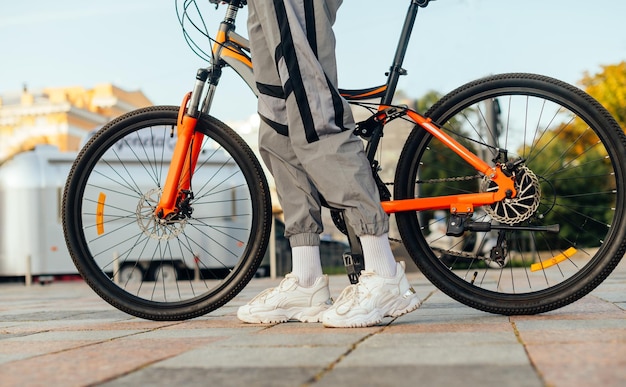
[[413, 305], [374, 318], [310, 315]]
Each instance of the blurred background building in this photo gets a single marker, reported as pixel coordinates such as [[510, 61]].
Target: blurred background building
[[59, 116]]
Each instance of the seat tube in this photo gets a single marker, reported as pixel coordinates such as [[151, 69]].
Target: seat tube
[[396, 69], [394, 74]]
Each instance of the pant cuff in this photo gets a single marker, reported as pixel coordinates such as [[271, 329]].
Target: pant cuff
[[304, 239]]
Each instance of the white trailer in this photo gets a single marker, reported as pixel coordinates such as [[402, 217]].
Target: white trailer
[[32, 241], [31, 189], [31, 232]]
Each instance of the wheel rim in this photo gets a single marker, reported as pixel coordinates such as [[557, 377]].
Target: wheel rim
[[215, 247], [555, 261]]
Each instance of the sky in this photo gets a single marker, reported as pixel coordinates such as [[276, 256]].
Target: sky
[[138, 44]]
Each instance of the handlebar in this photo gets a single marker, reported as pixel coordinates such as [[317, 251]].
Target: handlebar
[[241, 3]]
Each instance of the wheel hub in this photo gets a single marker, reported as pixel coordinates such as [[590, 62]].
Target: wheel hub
[[152, 226], [523, 205]]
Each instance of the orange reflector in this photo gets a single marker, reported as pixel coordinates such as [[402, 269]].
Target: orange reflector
[[555, 260], [100, 213]]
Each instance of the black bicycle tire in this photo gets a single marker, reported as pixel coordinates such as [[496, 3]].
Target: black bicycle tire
[[101, 283], [564, 293]]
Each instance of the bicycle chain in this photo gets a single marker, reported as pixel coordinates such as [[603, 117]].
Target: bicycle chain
[[460, 254], [446, 179], [451, 253], [395, 240]]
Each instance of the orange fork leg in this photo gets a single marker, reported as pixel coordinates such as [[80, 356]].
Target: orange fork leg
[[180, 163]]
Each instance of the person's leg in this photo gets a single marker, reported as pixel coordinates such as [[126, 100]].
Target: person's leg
[[298, 196], [294, 84], [312, 147], [321, 135], [303, 295], [318, 125], [377, 255]]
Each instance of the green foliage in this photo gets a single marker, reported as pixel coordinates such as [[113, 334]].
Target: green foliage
[[609, 88], [427, 100]]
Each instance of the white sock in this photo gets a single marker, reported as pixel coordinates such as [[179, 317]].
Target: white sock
[[378, 256], [306, 264]]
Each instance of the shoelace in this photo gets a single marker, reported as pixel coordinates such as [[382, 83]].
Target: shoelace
[[286, 283], [352, 295]]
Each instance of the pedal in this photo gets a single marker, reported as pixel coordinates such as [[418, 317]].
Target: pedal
[[354, 265]]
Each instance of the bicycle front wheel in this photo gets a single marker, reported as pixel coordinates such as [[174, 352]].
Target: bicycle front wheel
[[182, 268], [568, 158]]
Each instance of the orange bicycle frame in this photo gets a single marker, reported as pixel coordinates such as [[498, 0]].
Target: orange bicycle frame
[[183, 163], [231, 49], [463, 203]]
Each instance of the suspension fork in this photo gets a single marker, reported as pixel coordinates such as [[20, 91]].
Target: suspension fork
[[188, 146]]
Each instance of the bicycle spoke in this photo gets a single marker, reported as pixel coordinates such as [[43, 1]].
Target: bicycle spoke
[[567, 175], [167, 268]]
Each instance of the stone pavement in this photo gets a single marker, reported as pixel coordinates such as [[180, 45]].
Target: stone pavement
[[63, 335]]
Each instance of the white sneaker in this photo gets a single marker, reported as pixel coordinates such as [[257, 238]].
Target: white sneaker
[[288, 301], [374, 297]]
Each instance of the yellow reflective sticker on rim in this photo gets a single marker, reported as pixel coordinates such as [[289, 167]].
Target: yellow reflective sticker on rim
[[554, 260], [100, 213]]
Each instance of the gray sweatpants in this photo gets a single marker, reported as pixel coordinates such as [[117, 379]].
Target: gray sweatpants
[[306, 137]]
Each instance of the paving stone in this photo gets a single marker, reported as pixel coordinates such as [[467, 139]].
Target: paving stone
[[64, 334], [438, 339], [581, 364], [418, 354], [458, 375], [553, 324], [92, 335], [215, 356], [320, 339], [92, 364], [202, 377]]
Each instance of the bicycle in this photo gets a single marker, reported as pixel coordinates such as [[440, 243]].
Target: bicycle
[[167, 214]]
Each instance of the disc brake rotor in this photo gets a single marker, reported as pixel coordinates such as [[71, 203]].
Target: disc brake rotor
[[152, 226], [523, 205]]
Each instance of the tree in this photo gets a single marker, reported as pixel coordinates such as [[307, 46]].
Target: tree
[[609, 88]]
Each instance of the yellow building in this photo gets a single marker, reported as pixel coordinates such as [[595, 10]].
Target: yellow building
[[60, 116]]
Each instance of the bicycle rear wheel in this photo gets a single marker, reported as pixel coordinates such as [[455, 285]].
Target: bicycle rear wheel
[[569, 156], [175, 270]]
